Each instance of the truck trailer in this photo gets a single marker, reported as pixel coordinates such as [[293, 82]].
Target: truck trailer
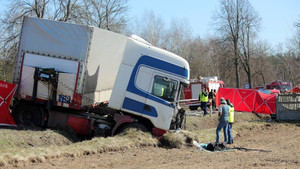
[[96, 81]]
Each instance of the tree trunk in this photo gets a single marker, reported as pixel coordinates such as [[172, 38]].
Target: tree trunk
[[249, 78], [237, 75]]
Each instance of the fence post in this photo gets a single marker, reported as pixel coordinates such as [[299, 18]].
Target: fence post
[[210, 107]]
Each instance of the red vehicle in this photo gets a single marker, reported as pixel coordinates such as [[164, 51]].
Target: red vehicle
[[281, 86], [191, 93], [275, 87]]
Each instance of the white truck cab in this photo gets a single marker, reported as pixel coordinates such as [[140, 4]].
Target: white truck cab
[[154, 77]]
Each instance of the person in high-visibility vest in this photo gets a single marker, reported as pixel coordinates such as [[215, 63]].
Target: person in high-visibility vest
[[231, 120], [204, 99]]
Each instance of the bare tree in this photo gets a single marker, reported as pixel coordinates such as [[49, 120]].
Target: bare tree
[[11, 22], [250, 23], [223, 55], [228, 27], [65, 10], [105, 14], [262, 65], [237, 22], [296, 39], [153, 29], [112, 14], [196, 56], [290, 58], [179, 37]]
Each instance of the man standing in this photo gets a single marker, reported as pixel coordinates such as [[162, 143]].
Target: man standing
[[231, 120], [204, 99], [214, 100], [210, 98], [223, 120]]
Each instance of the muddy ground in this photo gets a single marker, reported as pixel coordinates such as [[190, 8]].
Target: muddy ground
[[256, 145]]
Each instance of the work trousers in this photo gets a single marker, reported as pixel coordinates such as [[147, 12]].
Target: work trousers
[[224, 125], [229, 132], [213, 103], [204, 107]]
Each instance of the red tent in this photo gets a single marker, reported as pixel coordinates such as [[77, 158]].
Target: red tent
[[248, 100], [6, 92], [265, 103], [244, 99]]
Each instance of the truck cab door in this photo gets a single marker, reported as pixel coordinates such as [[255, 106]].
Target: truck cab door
[[161, 101]]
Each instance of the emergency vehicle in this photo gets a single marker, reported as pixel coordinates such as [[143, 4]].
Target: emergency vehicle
[[191, 93]]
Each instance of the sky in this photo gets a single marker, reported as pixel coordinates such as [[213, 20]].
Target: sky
[[277, 25], [278, 16]]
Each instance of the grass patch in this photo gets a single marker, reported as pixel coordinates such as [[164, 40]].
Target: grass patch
[[195, 123], [17, 146], [13, 140], [178, 139], [37, 146]]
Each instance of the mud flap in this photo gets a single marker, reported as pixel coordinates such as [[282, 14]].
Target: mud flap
[[80, 125]]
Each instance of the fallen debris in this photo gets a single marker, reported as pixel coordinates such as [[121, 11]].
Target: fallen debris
[[213, 147], [216, 147]]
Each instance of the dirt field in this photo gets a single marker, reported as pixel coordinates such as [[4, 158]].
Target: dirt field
[[258, 145]]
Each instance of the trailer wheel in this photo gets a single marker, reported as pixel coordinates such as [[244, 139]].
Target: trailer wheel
[[137, 126], [28, 115]]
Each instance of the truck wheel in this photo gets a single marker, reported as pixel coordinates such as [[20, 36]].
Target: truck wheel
[[137, 126], [28, 115]]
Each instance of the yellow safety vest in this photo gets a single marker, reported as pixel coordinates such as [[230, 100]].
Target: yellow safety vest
[[203, 98], [162, 92], [231, 114]]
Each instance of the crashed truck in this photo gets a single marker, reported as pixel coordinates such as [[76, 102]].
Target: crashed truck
[[98, 82]]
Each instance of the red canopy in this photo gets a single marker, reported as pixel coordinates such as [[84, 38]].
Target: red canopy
[[6, 92], [248, 100], [265, 103]]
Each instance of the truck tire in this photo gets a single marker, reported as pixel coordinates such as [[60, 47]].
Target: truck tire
[[137, 126], [28, 115]]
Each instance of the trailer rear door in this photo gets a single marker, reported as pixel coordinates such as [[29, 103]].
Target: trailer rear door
[[67, 76]]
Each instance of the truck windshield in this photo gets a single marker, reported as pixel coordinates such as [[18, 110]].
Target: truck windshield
[[164, 88]]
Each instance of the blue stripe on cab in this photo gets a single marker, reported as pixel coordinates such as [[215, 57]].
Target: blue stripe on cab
[[139, 107], [157, 64]]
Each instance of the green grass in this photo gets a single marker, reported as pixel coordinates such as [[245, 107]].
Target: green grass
[[37, 146], [29, 145]]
